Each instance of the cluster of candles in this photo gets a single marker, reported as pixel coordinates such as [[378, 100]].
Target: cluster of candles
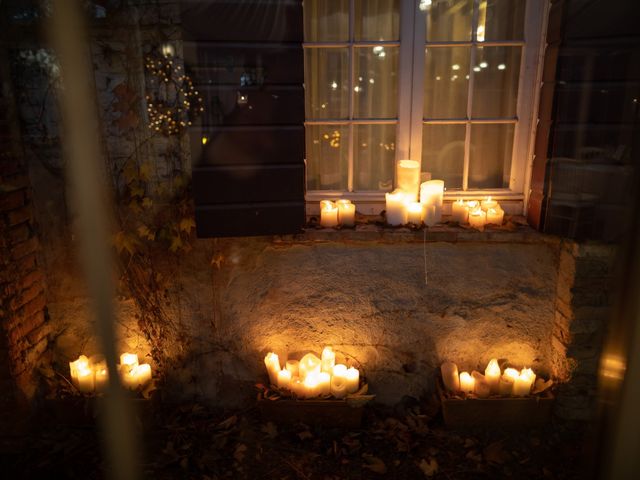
[[511, 382], [90, 374], [477, 214], [312, 376], [341, 212]]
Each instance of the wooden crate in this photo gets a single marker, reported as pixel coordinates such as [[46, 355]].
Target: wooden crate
[[533, 411], [326, 413]]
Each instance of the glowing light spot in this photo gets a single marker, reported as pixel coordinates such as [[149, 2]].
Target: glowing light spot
[[476, 69], [334, 85], [424, 5], [437, 78], [502, 66], [455, 66], [378, 49], [371, 81], [484, 64], [204, 140], [357, 89]]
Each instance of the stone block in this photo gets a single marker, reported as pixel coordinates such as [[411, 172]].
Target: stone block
[[20, 215], [23, 249], [25, 295]]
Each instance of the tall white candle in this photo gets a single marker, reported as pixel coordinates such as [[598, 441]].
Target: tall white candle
[[414, 213], [353, 380], [477, 218], [395, 207], [328, 359], [522, 385], [346, 213], [128, 361], [466, 382], [492, 373], [450, 377], [311, 385], [272, 362], [328, 214], [432, 193], [409, 178], [310, 363], [459, 211], [284, 378], [292, 366]]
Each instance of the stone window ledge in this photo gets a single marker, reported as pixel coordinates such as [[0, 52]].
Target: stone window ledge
[[515, 230]]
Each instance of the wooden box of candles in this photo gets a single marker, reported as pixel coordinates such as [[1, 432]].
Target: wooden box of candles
[[497, 398], [313, 390]]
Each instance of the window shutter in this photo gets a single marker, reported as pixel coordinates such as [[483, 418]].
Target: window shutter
[[245, 57]]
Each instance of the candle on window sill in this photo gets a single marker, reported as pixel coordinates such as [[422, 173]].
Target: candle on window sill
[[85, 378], [311, 385], [432, 193], [328, 359], [395, 207], [292, 366], [339, 381], [409, 178], [466, 382], [297, 387], [477, 219], [284, 378], [272, 362], [495, 216], [324, 383], [524, 382], [472, 205], [492, 374], [353, 380], [346, 213], [450, 377], [128, 361], [430, 215], [328, 214], [414, 213], [488, 203], [482, 388], [459, 211], [505, 386], [309, 364]]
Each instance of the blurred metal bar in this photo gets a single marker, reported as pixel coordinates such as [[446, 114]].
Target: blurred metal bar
[[87, 186]]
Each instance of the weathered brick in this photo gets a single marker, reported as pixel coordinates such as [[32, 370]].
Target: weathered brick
[[19, 233], [27, 324], [23, 249], [12, 200], [31, 278], [19, 216], [34, 306], [38, 333], [25, 296]]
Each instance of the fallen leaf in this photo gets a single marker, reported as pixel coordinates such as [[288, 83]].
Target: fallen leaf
[[429, 468], [495, 453], [186, 224], [540, 385], [228, 423], [240, 452], [270, 429], [374, 464]]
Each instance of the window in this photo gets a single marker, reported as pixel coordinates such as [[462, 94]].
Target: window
[[451, 83]]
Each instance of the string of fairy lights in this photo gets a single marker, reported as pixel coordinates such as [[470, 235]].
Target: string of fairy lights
[[174, 102]]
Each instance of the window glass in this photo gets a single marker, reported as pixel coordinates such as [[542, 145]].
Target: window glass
[[374, 156], [495, 82], [327, 156], [377, 20], [326, 83], [448, 20], [500, 20], [443, 153], [490, 155], [326, 20], [375, 91], [446, 82]]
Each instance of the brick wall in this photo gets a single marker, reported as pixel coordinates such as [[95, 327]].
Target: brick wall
[[583, 305], [23, 319]]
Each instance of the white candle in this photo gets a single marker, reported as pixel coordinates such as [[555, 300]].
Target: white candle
[[396, 210], [488, 203], [414, 213], [311, 385], [324, 384], [522, 384], [506, 385], [308, 364], [482, 388], [339, 381], [81, 363], [328, 359], [143, 374], [409, 178], [495, 216], [432, 193], [86, 379], [328, 214], [477, 219], [284, 378], [511, 373], [297, 387], [430, 215], [459, 211], [472, 205], [128, 361], [292, 366], [346, 213], [492, 374], [272, 362], [450, 377], [353, 380], [466, 382]]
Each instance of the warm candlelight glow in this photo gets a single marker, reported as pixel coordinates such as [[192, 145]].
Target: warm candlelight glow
[[328, 214], [396, 208], [328, 359], [309, 364], [346, 213], [492, 374], [488, 203], [459, 211], [432, 193], [414, 213], [466, 382], [450, 377], [495, 216], [408, 178], [478, 218]]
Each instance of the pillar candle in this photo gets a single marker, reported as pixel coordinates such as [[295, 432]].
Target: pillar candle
[[477, 219], [492, 374], [512, 373], [395, 206], [328, 214], [308, 364], [272, 362], [328, 359], [450, 377], [472, 205], [432, 193], [346, 213], [430, 215], [297, 387], [284, 378], [339, 381], [466, 382], [488, 203], [353, 380], [459, 211], [81, 363], [128, 361], [505, 386], [324, 384], [86, 379], [482, 388], [408, 176], [292, 366], [522, 384], [311, 384], [143, 374], [495, 216], [414, 213]]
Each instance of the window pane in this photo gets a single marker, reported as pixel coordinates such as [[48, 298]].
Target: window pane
[[501, 20], [375, 90], [378, 20], [375, 152], [495, 82], [443, 153], [446, 82], [448, 20], [326, 20], [490, 155], [326, 82], [327, 161]]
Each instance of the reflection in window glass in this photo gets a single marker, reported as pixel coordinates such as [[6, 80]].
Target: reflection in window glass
[[500, 20], [377, 20], [446, 82], [443, 153], [326, 83], [448, 20], [326, 20], [375, 153], [495, 82], [327, 148], [490, 155], [375, 90]]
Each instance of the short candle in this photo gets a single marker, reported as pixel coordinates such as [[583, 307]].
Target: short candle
[[328, 214]]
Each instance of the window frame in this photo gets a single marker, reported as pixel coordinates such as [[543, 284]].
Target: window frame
[[410, 106]]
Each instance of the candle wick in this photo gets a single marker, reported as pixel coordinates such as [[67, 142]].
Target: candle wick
[[424, 249]]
